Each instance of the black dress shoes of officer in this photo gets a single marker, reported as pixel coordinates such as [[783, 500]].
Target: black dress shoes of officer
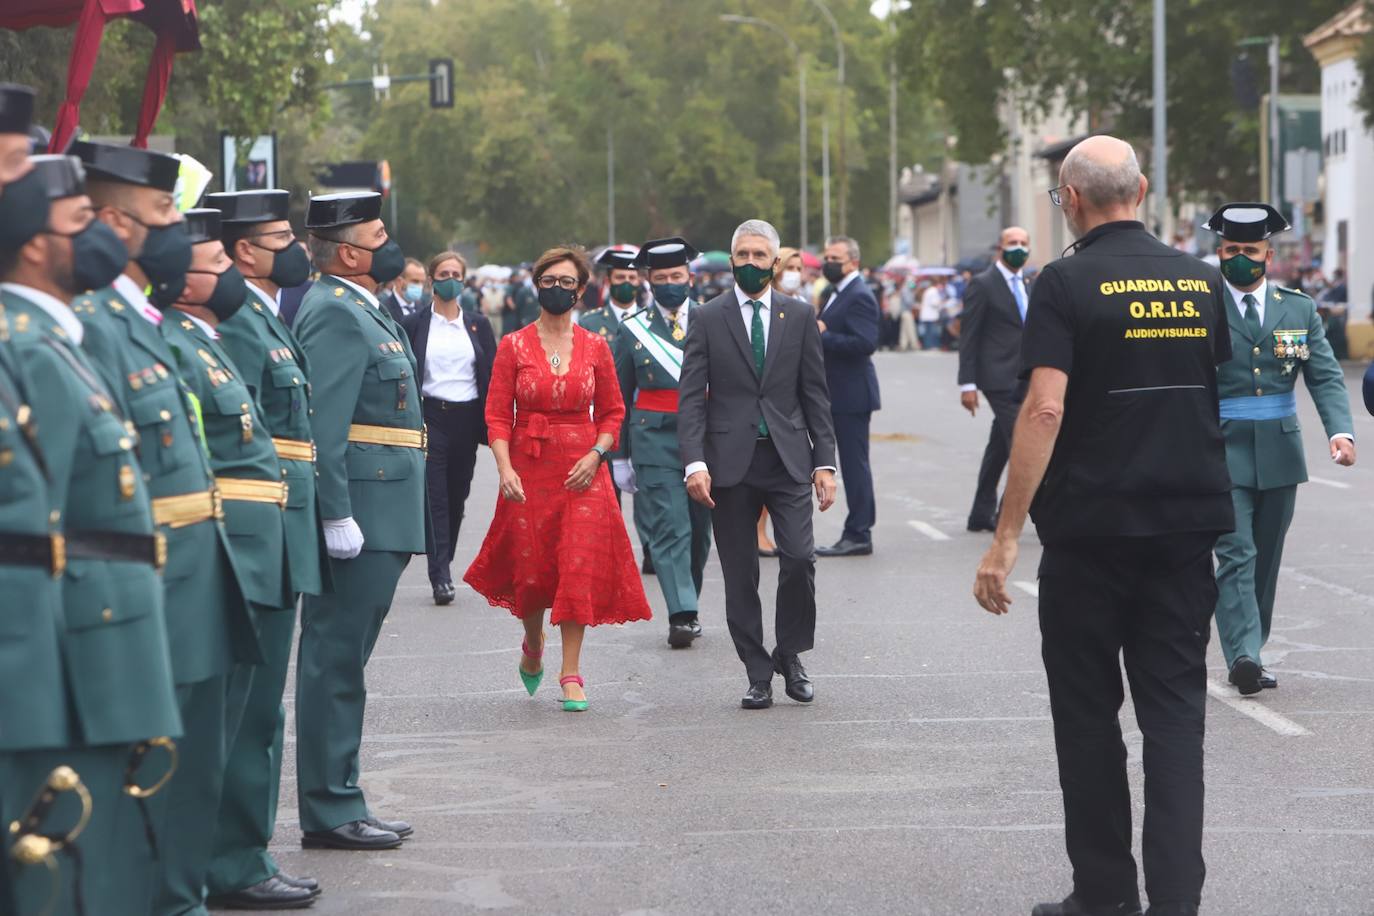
[[309, 884], [1267, 680], [444, 593], [846, 548], [760, 695], [400, 828], [358, 835], [272, 894], [981, 525], [798, 684], [1172, 909], [1071, 906], [680, 635], [1245, 674]]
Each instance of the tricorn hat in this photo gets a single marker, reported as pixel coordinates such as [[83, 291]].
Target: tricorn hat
[[245, 207], [203, 225], [673, 252], [128, 164], [16, 108], [62, 176], [1246, 222], [620, 257], [330, 211]]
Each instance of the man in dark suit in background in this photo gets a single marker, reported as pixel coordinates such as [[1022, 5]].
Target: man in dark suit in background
[[990, 361], [763, 437], [407, 294], [849, 335]]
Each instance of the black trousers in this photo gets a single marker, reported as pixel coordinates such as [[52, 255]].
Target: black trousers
[[1005, 405], [455, 431], [851, 441], [1150, 601], [734, 521]]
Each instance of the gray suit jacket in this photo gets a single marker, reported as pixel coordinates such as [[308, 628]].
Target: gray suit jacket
[[792, 395], [990, 334]]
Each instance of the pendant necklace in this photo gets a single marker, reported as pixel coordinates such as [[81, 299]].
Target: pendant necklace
[[554, 361]]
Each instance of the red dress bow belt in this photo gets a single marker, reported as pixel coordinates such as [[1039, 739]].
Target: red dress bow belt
[[538, 428]]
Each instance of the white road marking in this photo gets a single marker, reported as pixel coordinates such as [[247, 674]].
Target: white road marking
[[1030, 588], [1337, 484], [930, 531], [1257, 711]]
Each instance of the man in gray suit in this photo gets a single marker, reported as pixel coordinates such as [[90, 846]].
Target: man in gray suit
[[764, 437], [990, 361]]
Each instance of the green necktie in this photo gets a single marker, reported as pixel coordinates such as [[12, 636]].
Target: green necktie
[[756, 339], [1251, 316]]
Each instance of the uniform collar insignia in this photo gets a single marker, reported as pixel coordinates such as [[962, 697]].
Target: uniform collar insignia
[[188, 325]]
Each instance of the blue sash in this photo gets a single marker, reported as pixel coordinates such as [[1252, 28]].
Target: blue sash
[[1266, 407]]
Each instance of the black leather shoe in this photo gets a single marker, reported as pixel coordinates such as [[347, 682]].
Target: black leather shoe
[[696, 628], [309, 884], [1172, 909], [798, 684], [400, 828], [981, 525], [760, 695], [680, 635], [1267, 680], [353, 835], [647, 567], [1245, 674], [846, 548], [272, 894], [444, 593], [1070, 906]]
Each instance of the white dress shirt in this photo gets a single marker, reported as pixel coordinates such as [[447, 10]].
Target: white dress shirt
[[130, 290], [839, 288], [684, 314], [450, 361], [203, 325], [66, 319], [272, 302], [368, 297]]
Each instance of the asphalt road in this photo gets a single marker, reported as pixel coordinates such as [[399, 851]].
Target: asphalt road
[[921, 781]]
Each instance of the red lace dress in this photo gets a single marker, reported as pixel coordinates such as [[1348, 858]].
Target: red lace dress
[[559, 549]]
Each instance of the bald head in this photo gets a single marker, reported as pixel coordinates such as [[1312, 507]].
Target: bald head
[[1105, 173], [1013, 236]]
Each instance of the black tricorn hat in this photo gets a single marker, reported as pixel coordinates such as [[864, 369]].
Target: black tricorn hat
[[330, 211], [245, 207], [673, 252], [62, 176], [128, 164], [1246, 222], [203, 225], [16, 108], [617, 259]]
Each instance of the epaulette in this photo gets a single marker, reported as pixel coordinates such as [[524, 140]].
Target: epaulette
[[1293, 292], [84, 306]]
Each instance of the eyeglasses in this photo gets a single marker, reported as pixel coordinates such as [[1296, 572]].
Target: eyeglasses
[[1057, 195], [549, 282]]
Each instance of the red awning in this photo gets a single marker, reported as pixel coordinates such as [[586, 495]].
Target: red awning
[[174, 21]]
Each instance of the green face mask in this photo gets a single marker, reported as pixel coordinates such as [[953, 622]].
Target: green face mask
[[752, 279], [448, 288], [1015, 257], [625, 293], [1242, 271]]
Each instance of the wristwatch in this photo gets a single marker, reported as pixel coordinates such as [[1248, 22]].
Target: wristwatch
[[600, 451]]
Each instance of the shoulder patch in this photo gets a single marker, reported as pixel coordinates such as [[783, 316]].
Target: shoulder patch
[[1291, 292]]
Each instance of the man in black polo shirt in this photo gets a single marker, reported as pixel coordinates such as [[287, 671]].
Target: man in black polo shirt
[[1119, 443]]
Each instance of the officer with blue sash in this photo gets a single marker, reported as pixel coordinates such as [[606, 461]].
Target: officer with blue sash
[[1276, 335]]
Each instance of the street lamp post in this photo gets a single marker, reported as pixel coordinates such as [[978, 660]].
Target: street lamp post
[[1272, 41], [839, 64], [1161, 135], [801, 109]]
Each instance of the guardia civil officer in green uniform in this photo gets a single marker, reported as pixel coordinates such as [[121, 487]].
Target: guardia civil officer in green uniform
[[1276, 335], [369, 435], [210, 627], [251, 484], [623, 283], [270, 362], [525, 299], [113, 636], [648, 360]]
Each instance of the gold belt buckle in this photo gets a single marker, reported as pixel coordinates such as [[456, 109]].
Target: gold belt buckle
[[285, 489], [424, 438], [159, 550], [217, 503], [59, 554]]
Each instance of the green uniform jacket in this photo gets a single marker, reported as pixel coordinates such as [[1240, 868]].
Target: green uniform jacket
[[526, 308], [364, 373], [601, 321], [240, 445], [114, 637], [273, 366], [33, 694], [1266, 454], [651, 435], [210, 627]]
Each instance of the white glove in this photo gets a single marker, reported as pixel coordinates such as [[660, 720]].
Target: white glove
[[343, 539], [623, 473]]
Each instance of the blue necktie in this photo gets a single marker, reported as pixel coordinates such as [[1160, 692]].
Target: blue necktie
[[1018, 289]]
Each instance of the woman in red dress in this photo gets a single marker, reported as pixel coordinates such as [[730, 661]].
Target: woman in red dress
[[558, 539]]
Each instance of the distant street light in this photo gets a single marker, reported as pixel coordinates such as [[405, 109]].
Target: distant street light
[[1274, 193], [801, 108]]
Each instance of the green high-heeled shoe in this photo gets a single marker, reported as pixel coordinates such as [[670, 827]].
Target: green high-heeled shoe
[[573, 705], [531, 681]]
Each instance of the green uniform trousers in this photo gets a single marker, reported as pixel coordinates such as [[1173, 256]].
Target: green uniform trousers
[[677, 532], [252, 778], [338, 632], [184, 811], [1248, 569], [117, 862]]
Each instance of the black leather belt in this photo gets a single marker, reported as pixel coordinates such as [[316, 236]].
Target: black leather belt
[[449, 405], [118, 546], [45, 550]]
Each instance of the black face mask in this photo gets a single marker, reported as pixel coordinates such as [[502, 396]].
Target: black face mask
[[290, 265], [165, 258], [556, 300], [670, 295], [833, 270], [387, 261], [228, 295], [98, 257]]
